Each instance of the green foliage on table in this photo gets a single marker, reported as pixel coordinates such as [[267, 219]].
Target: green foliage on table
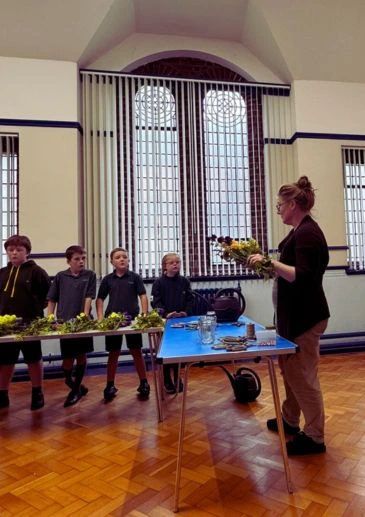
[[149, 320], [37, 327], [7, 324], [114, 321], [81, 323]]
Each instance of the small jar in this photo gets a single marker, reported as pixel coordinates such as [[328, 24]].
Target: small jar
[[250, 331]]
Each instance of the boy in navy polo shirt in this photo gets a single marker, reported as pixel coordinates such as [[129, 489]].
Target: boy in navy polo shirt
[[124, 288], [72, 291]]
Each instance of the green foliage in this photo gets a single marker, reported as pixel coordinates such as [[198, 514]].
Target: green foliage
[[7, 324], [81, 323], [149, 320], [114, 321], [38, 327]]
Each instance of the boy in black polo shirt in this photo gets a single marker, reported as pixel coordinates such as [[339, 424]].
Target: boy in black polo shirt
[[123, 288], [72, 291]]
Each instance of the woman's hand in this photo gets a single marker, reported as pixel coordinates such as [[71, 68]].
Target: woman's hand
[[253, 259], [176, 315]]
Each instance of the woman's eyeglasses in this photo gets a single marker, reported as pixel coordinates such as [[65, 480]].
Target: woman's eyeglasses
[[279, 205]]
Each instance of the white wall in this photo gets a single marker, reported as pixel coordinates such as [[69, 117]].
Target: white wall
[[49, 157], [138, 49], [329, 107], [34, 89]]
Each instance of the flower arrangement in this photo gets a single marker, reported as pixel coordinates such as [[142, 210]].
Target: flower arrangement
[[81, 323], [7, 324], [38, 327], [239, 251], [149, 320], [114, 321]]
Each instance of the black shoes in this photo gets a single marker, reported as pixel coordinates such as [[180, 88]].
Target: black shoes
[[272, 425], [75, 395], [4, 399], [144, 389], [171, 388], [37, 401], [83, 390], [72, 398], [303, 444], [109, 393]]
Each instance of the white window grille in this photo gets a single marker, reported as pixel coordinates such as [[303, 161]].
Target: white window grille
[[9, 189], [354, 194]]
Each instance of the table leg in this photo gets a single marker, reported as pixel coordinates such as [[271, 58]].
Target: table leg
[[181, 438], [275, 393], [154, 340]]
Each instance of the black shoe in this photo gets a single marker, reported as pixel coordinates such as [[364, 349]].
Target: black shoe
[[272, 425], [109, 393], [83, 390], [169, 386], [37, 401], [72, 398], [4, 399], [181, 386], [144, 390], [303, 444]]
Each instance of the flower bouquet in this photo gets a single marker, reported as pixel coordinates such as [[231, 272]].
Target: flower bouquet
[[239, 251], [81, 323], [7, 324], [114, 321], [149, 320], [38, 327]]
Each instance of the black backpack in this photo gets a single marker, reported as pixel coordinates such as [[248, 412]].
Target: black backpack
[[246, 384]]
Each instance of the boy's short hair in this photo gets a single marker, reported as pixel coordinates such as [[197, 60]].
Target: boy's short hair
[[115, 250], [72, 250], [18, 240], [166, 257]]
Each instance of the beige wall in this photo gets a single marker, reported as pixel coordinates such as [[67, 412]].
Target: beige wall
[[140, 48], [329, 107], [49, 157], [35, 89]]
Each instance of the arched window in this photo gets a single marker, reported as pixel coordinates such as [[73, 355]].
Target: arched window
[[227, 177], [171, 161]]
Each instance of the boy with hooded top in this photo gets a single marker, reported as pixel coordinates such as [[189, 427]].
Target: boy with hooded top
[[23, 291]]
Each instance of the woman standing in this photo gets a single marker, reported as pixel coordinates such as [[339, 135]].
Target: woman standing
[[301, 316]]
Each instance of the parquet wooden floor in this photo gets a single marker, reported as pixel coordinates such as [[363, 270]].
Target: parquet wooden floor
[[116, 460]]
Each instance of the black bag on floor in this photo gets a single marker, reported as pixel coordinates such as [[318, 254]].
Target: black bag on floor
[[246, 384]]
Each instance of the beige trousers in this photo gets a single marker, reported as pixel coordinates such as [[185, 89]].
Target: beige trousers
[[302, 388]]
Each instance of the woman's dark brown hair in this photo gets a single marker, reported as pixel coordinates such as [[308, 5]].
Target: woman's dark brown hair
[[301, 192]]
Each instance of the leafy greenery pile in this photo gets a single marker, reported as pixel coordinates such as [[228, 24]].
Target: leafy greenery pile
[[7, 324], [114, 321], [149, 320], [81, 323], [37, 327]]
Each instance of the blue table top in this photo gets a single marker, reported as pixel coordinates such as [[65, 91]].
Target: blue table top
[[182, 345]]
